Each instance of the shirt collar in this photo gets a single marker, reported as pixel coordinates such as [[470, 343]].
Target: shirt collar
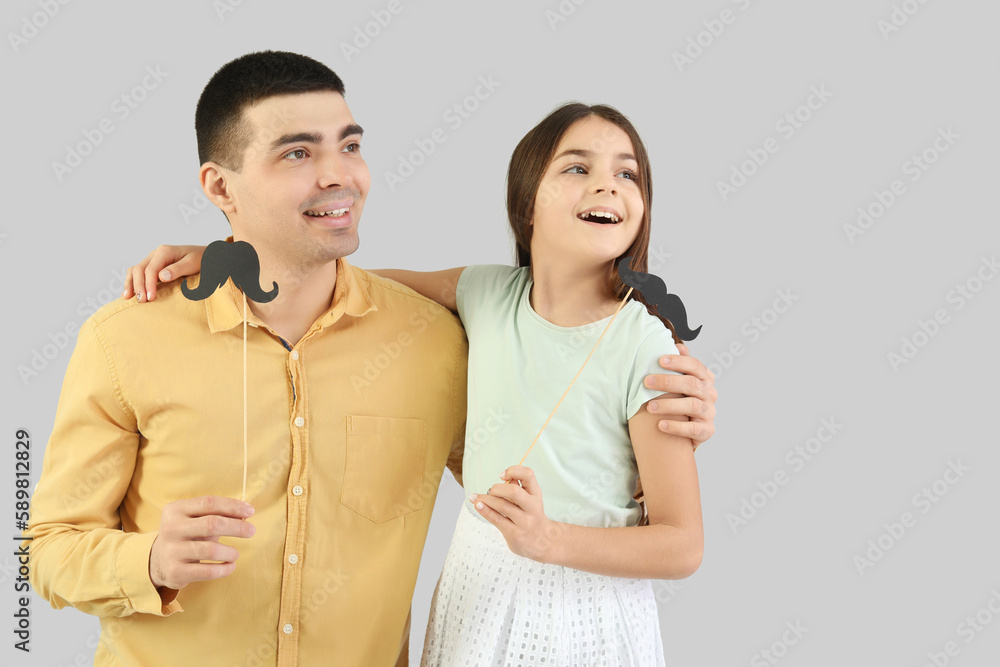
[[224, 307]]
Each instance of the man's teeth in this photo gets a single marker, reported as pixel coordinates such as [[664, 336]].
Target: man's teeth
[[600, 214], [337, 213]]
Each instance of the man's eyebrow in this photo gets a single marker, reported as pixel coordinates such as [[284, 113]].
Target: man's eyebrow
[[312, 137], [348, 130], [586, 154]]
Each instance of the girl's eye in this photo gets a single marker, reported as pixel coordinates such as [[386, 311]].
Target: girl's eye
[[630, 174], [297, 150], [581, 169]]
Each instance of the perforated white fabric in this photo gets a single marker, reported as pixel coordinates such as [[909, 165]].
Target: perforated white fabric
[[494, 608]]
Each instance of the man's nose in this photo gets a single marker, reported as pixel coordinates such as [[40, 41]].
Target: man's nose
[[333, 172]]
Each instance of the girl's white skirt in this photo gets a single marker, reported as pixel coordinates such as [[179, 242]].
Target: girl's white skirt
[[494, 608]]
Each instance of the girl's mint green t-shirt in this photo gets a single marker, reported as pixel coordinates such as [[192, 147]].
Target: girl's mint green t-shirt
[[519, 366]]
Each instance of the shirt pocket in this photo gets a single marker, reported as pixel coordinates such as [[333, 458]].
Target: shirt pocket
[[385, 464]]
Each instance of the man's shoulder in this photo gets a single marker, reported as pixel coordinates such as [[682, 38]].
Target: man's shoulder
[[170, 303], [386, 291]]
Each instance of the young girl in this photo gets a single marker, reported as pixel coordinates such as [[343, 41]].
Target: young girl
[[551, 561], [567, 582]]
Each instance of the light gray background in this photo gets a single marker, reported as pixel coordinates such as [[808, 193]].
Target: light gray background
[[63, 242]]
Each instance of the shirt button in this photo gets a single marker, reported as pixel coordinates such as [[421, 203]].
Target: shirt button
[[300, 422], [297, 490], [287, 628], [295, 355], [293, 559]]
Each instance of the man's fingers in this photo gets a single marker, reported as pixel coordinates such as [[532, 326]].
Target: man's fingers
[[683, 349], [214, 526], [687, 366], [672, 404], [697, 431], [687, 385], [206, 571], [217, 505], [198, 550]]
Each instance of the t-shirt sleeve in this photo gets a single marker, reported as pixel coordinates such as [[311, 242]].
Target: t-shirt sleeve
[[479, 289], [658, 342]]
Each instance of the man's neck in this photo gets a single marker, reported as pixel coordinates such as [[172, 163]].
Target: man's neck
[[304, 294]]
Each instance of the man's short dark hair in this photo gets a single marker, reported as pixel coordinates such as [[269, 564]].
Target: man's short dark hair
[[222, 130]]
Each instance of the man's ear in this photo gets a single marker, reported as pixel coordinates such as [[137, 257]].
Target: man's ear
[[216, 183]]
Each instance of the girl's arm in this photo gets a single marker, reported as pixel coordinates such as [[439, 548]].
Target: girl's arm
[[670, 547], [437, 285], [166, 263], [170, 262]]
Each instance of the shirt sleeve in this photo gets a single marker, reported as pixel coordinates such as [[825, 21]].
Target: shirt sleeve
[[479, 289], [658, 342], [80, 555]]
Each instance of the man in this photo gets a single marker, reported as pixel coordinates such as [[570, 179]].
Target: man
[[135, 517]]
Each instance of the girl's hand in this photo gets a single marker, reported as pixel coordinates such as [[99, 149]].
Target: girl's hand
[[516, 509], [168, 262]]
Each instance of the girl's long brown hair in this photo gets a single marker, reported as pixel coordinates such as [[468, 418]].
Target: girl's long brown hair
[[528, 163]]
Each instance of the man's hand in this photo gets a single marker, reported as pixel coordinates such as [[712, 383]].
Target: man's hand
[[189, 533], [697, 400]]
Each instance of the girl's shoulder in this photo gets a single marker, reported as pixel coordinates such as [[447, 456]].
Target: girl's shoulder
[[646, 331], [482, 288], [487, 279]]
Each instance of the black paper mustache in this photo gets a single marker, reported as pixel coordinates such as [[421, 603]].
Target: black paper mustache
[[655, 293], [222, 261]]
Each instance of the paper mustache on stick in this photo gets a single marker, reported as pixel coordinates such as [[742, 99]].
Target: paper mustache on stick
[[220, 262], [655, 293], [237, 260]]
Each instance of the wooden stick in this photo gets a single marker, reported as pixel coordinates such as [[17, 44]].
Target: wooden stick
[[620, 305], [243, 497]]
